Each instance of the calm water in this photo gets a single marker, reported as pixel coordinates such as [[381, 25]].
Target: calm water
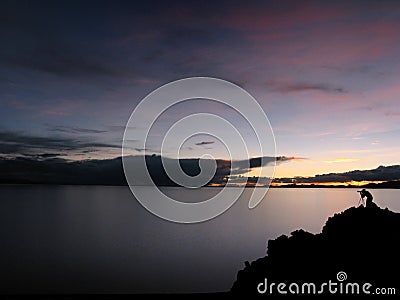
[[98, 239]]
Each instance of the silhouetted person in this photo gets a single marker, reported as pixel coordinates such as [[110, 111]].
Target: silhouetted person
[[365, 194]]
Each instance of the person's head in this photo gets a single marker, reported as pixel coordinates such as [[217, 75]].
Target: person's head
[[363, 190]]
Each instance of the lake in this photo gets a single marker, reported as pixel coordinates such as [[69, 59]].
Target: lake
[[99, 239]]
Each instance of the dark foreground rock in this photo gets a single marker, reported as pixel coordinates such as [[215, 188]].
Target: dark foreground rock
[[363, 242]]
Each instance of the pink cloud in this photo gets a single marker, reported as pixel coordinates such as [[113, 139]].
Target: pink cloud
[[348, 43], [392, 113], [256, 18], [331, 43]]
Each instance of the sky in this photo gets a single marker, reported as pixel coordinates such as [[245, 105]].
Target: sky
[[326, 74]]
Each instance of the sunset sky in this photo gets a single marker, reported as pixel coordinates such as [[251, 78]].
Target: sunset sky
[[326, 74]]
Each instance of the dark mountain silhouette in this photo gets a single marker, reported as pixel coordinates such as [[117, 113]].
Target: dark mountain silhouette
[[393, 184], [382, 173], [50, 169], [363, 242]]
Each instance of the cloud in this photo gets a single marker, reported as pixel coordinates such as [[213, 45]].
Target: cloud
[[381, 173], [392, 113], [17, 143], [280, 16], [47, 168], [292, 87], [43, 155], [358, 69], [205, 143], [280, 159], [147, 149], [179, 36], [120, 128], [53, 56], [61, 171], [74, 130], [36, 42]]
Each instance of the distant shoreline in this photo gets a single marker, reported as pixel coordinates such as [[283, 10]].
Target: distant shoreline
[[384, 185]]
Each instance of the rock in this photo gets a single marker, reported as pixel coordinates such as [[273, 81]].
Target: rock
[[363, 242]]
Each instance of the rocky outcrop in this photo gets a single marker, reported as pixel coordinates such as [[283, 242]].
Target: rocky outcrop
[[363, 242]]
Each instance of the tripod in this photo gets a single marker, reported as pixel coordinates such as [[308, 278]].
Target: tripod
[[361, 201]]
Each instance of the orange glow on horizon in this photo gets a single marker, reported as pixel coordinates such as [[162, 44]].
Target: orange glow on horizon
[[351, 183]]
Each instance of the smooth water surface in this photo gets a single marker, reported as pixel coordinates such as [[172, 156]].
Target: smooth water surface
[[99, 239]]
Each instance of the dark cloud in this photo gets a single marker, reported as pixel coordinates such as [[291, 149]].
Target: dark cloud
[[111, 42], [145, 149], [47, 155], [262, 161], [48, 53], [289, 158], [41, 37], [18, 143], [179, 36], [47, 168], [392, 114], [60, 61], [61, 171], [42, 155], [74, 130], [363, 69], [119, 128], [379, 174], [290, 87], [257, 162], [204, 143]]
